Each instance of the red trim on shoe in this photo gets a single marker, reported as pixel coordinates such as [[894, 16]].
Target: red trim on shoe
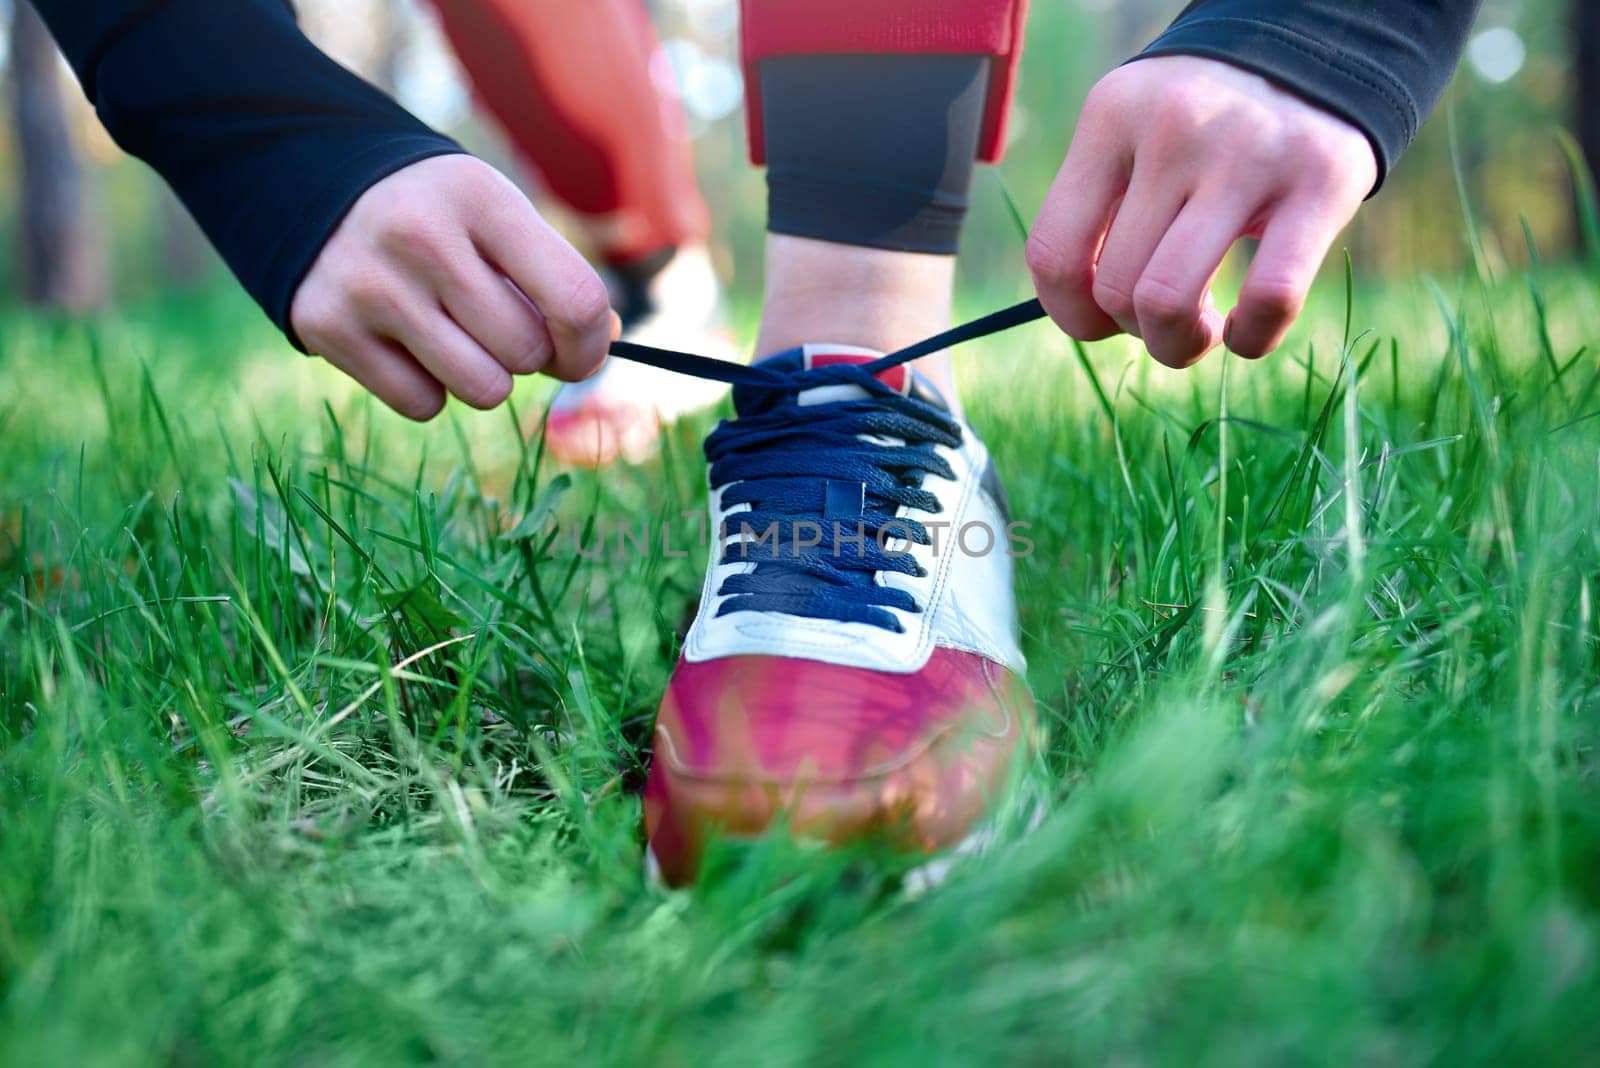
[[896, 378]]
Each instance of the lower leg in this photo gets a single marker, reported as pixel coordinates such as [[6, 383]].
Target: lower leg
[[571, 85], [869, 162]]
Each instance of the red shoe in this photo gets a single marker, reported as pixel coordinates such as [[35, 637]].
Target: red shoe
[[855, 675]]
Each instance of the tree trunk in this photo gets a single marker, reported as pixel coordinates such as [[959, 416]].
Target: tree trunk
[[1586, 82], [1134, 24], [186, 258], [59, 252], [392, 30]]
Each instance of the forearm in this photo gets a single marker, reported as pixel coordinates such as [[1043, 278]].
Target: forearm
[[1380, 66], [267, 141]]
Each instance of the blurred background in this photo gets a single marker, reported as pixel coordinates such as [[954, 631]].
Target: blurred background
[[82, 225]]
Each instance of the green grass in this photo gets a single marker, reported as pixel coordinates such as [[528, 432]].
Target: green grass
[[307, 756]]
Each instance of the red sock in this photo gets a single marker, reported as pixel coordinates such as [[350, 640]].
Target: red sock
[[569, 82]]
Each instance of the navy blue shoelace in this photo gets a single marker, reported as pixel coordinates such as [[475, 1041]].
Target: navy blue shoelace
[[823, 482]]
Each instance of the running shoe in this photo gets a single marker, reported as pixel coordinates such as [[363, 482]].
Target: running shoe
[[618, 413], [853, 672]]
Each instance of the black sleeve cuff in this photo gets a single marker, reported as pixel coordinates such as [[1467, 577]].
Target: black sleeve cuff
[[266, 140], [1380, 68]]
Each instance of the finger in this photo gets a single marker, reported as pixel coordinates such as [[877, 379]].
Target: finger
[[389, 373], [1067, 235], [561, 283], [1172, 299], [1142, 220], [449, 354], [494, 313], [1293, 245]]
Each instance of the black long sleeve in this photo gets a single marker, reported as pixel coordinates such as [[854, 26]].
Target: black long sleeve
[[1379, 64], [266, 140], [269, 142]]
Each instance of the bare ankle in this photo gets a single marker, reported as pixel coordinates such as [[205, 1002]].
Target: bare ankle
[[819, 291]]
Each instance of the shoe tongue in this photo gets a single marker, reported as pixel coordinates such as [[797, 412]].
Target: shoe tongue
[[814, 356], [809, 357]]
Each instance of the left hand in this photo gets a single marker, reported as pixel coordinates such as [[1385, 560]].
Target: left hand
[[1175, 158], [443, 278]]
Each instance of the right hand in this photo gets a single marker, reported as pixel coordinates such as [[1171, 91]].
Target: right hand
[[443, 278], [1176, 158]]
